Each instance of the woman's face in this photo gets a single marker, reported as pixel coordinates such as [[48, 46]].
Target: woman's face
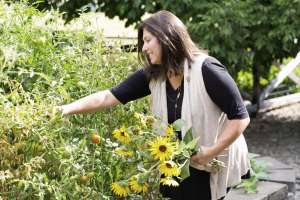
[[151, 47]]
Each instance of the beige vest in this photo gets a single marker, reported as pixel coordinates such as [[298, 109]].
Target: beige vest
[[207, 122]]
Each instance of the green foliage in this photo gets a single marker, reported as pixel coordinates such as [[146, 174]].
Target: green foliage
[[44, 63], [245, 80], [242, 34], [257, 171]]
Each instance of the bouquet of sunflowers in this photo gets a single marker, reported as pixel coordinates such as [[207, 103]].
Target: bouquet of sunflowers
[[150, 158]]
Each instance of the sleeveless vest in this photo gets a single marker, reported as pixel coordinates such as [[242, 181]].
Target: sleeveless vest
[[207, 121]]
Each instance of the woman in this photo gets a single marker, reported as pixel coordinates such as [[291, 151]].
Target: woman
[[185, 83]]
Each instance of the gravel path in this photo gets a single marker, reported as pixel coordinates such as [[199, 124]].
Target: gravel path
[[277, 134]]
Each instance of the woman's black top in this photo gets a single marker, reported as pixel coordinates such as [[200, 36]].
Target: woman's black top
[[219, 85]]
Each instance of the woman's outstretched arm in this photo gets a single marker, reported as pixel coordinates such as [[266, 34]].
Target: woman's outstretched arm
[[94, 102]]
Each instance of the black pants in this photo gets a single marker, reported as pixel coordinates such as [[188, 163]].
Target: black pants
[[195, 187]]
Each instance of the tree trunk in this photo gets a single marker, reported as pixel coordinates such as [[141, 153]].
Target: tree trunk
[[256, 85]]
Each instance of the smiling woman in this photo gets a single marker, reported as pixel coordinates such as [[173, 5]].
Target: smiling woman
[[160, 40], [184, 83], [151, 47]]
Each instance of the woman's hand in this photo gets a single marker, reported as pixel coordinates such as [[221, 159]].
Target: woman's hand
[[206, 159], [60, 109], [232, 130], [204, 156]]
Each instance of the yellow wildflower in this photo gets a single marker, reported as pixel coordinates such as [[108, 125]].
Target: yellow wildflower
[[169, 131], [120, 189], [122, 135], [123, 152], [136, 186], [169, 168], [169, 181], [161, 148]]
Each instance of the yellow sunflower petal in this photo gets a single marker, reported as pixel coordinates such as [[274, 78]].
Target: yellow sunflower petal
[[122, 152], [169, 168], [138, 187], [121, 135], [118, 189], [169, 182], [169, 131], [161, 148]]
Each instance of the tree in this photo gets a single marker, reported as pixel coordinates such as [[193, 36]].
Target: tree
[[243, 34]]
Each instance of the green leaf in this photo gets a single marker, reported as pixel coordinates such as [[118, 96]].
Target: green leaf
[[186, 153], [178, 124], [181, 147], [185, 170], [188, 136], [250, 185], [192, 144]]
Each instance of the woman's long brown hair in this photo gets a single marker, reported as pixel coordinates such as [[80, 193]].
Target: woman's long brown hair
[[175, 41]]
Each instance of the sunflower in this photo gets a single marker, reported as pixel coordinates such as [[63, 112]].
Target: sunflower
[[161, 148], [137, 186], [120, 189], [169, 131], [122, 135], [169, 168], [122, 152], [169, 181]]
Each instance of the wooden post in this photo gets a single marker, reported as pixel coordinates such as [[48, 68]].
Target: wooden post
[[293, 77], [279, 78]]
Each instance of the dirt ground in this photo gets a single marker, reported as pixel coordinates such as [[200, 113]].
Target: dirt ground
[[277, 134]]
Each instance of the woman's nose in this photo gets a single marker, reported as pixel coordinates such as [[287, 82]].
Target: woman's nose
[[144, 48]]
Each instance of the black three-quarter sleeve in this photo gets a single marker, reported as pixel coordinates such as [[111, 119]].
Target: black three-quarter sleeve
[[222, 89], [134, 87]]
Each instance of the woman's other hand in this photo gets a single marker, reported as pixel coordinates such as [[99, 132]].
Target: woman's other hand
[[204, 156]]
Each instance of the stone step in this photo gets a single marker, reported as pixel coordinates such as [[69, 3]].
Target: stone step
[[266, 191], [280, 173], [280, 184]]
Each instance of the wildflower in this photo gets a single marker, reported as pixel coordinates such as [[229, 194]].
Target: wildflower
[[169, 181], [169, 168], [122, 135], [138, 186], [161, 148], [169, 131], [123, 152], [120, 189]]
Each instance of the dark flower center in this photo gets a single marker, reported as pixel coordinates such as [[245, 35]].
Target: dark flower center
[[122, 133], [168, 165], [162, 148]]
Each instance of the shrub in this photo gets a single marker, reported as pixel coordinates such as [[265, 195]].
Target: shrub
[[46, 63]]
